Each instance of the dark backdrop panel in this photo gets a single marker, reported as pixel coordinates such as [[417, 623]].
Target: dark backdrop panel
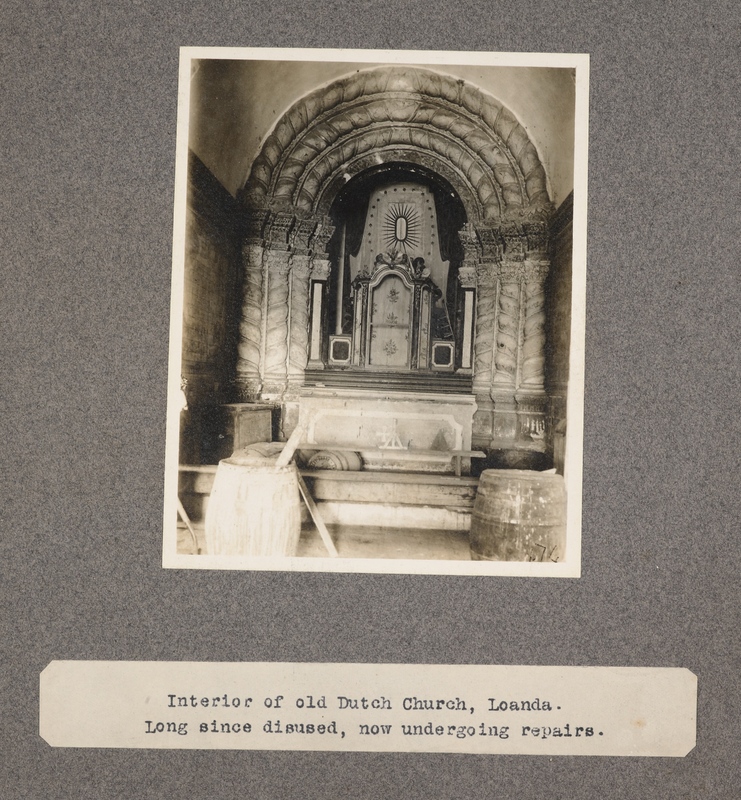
[[88, 129]]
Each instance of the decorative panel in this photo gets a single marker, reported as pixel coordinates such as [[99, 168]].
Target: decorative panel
[[402, 219], [442, 356], [390, 315], [340, 349]]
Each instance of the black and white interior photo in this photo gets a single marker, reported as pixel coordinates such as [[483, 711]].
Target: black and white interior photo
[[378, 312]]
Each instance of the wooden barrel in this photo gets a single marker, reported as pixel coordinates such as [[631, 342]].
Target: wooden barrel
[[254, 509], [519, 515]]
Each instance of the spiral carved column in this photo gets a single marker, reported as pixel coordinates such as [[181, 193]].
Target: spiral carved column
[[299, 325], [277, 269], [508, 320], [250, 327], [485, 321], [532, 370]]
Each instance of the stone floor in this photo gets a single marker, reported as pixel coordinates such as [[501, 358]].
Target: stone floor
[[365, 542]]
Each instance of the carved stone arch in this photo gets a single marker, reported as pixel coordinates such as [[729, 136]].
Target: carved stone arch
[[407, 108], [478, 159], [334, 182]]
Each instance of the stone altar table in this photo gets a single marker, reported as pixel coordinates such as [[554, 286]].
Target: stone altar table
[[401, 431]]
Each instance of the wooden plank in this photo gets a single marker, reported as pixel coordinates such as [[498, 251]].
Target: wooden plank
[[391, 452], [317, 517], [437, 495], [186, 520], [379, 476], [339, 448], [286, 454]]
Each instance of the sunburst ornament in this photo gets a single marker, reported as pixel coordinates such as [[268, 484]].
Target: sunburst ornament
[[401, 227]]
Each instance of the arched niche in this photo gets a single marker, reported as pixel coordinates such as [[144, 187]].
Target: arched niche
[[375, 120], [349, 214]]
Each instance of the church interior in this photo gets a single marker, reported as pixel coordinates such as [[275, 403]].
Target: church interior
[[376, 286]]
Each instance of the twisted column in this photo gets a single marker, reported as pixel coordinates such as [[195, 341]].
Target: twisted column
[[250, 326], [532, 371], [508, 319], [485, 322], [277, 268], [299, 325]]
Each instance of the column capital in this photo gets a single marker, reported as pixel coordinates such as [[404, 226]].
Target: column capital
[[301, 235], [278, 262], [527, 270], [252, 253], [486, 273], [254, 222], [320, 268], [300, 265], [536, 234], [467, 276], [278, 230], [511, 271], [517, 239], [492, 246], [470, 243], [321, 236], [515, 243], [536, 269]]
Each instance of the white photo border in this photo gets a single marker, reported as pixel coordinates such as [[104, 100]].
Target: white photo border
[[570, 567]]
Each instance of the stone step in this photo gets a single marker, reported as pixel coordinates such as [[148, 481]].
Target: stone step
[[391, 488], [401, 517], [393, 500], [382, 499]]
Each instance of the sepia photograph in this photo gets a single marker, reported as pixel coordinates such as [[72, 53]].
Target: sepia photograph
[[377, 330], [371, 400]]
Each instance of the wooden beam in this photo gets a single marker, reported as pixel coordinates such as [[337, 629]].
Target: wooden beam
[[317, 517], [286, 454], [186, 520]]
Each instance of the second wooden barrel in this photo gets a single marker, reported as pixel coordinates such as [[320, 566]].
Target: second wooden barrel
[[254, 509], [519, 515]]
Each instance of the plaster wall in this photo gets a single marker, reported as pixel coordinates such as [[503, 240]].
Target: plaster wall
[[210, 310], [558, 301], [558, 315]]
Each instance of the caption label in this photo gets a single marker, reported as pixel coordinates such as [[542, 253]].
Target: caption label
[[370, 707]]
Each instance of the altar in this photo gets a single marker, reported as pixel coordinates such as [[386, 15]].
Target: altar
[[395, 431]]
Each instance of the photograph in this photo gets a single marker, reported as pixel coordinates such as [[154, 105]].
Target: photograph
[[378, 310], [371, 389]]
